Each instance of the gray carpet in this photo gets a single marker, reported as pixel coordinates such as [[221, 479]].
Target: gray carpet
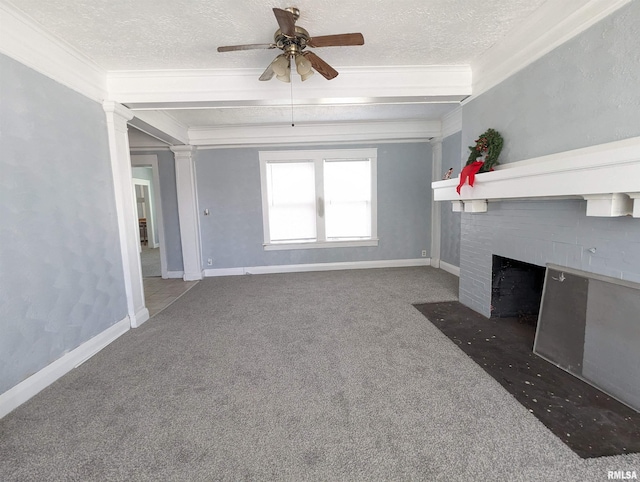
[[311, 376]]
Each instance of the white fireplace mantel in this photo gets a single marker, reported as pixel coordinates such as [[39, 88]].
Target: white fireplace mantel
[[606, 175]]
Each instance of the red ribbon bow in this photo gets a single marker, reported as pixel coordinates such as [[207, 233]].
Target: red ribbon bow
[[469, 172]]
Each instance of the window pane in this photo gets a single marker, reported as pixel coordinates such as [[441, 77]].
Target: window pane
[[292, 201], [347, 191]]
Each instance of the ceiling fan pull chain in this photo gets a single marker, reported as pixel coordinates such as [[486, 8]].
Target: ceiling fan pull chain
[[291, 85]]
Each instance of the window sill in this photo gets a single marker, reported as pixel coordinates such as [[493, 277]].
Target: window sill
[[354, 243]]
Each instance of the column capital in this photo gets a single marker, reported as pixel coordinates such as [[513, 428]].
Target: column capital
[[183, 152], [118, 110]]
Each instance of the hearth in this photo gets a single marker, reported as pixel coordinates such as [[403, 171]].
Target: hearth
[[516, 289], [590, 422]]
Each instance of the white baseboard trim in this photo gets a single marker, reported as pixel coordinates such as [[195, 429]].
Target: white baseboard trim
[[449, 268], [175, 274], [194, 276], [225, 272], [23, 391], [300, 268], [140, 317]]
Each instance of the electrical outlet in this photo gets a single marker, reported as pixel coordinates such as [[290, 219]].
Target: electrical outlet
[[424, 253], [210, 261]]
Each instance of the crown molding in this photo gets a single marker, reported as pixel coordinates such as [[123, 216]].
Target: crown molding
[[25, 41], [117, 110], [337, 133], [355, 85], [551, 25]]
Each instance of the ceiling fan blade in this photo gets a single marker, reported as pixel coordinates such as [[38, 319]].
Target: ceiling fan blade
[[286, 21], [321, 66], [336, 40], [268, 73], [229, 48]]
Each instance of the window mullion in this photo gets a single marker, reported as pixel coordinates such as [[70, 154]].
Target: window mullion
[[320, 207]]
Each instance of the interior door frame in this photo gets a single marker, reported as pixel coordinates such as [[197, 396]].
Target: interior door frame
[[151, 211], [151, 160]]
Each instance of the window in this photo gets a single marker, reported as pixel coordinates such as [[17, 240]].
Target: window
[[319, 199]]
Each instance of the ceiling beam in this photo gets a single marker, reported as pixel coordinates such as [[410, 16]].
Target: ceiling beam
[[161, 126], [319, 133], [354, 85]]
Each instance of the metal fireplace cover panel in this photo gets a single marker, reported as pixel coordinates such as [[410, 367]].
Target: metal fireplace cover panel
[[589, 325]]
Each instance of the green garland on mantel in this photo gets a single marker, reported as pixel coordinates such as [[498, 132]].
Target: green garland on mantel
[[489, 145]]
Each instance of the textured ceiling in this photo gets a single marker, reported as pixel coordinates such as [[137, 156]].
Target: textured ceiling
[[306, 114], [184, 34]]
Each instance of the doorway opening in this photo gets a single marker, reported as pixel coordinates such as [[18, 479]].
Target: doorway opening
[[146, 182], [149, 248]]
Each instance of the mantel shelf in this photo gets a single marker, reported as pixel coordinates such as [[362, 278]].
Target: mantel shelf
[[606, 175]]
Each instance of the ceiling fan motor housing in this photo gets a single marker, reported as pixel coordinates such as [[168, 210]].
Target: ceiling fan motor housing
[[295, 11], [291, 45]]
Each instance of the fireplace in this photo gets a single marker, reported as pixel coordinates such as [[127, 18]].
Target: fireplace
[[580, 211], [516, 288]]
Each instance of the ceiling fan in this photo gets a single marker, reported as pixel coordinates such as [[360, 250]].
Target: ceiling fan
[[292, 40]]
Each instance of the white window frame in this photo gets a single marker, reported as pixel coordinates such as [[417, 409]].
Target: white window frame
[[318, 157]]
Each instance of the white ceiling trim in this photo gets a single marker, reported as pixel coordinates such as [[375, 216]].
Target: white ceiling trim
[[551, 25], [354, 85], [23, 40], [160, 125], [413, 130]]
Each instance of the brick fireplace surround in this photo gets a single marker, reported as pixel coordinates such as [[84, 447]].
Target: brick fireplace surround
[[579, 209], [541, 232]]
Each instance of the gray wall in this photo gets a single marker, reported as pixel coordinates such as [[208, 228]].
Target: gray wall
[[450, 221], [61, 278], [585, 92], [169, 201], [228, 183]]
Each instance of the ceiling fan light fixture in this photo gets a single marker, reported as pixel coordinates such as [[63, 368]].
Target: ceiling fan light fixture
[[280, 65], [286, 76], [306, 76], [303, 66]]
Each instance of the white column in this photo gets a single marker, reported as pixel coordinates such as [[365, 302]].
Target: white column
[[436, 174], [117, 117], [188, 212]]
